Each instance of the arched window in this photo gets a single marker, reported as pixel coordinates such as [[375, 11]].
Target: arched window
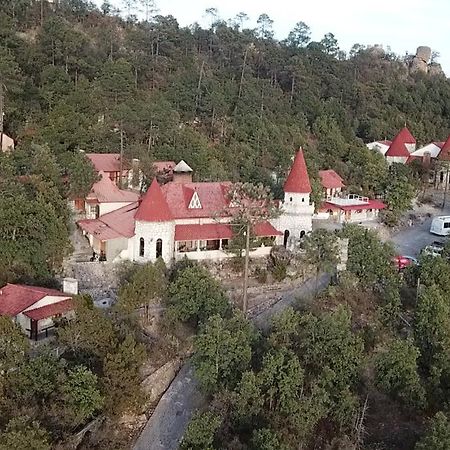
[[286, 237], [141, 247], [302, 234], [159, 248]]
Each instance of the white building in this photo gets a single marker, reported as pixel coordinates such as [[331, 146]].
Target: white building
[[351, 208], [189, 219]]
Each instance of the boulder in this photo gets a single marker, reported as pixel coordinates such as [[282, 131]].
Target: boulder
[[157, 383], [424, 53], [418, 65]]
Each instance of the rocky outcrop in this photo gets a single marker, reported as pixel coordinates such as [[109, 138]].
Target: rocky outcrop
[[422, 62]]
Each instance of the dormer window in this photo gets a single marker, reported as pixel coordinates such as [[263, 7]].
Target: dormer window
[[195, 201]]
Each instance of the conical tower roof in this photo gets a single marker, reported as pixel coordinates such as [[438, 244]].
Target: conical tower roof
[[406, 136], [298, 179], [153, 206], [398, 147]]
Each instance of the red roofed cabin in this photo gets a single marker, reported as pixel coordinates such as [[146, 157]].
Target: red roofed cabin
[[351, 208], [35, 308], [332, 183]]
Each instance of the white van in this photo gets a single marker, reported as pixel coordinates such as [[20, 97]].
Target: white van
[[440, 225]]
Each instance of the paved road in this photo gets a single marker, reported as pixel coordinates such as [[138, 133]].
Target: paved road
[[410, 241], [167, 424]]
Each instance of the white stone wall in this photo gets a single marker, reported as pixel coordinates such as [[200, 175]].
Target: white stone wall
[[151, 232], [296, 217], [114, 247]]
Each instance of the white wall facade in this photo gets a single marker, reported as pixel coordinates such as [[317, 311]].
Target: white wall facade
[[151, 232], [296, 217]]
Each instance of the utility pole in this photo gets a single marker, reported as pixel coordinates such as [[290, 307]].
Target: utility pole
[[446, 185], [247, 257], [121, 154]]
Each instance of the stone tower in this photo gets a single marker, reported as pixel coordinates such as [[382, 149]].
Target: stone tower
[[297, 211], [154, 228]]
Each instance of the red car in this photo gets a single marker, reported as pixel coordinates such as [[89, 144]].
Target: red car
[[401, 262]]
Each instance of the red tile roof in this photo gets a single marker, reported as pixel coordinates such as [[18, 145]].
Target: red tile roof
[[330, 179], [205, 232], [405, 136], [153, 207], [107, 162], [371, 204], [213, 199], [263, 229], [106, 191], [298, 179], [397, 148], [212, 231], [444, 154], [116, 224], [14, 298], [47, 311]]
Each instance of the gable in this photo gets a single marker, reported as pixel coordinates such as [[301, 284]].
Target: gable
[[195, 201]]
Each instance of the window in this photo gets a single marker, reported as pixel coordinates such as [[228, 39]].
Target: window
[[446, 224], [290, 199], [441, 177], [195, 202], [303, 199], [186, 246], [213, 244], [286, 237], [302, 234], [159, 248], [141, 247]]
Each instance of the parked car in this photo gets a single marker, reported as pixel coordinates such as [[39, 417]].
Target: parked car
[[403, 261], [434, 249]]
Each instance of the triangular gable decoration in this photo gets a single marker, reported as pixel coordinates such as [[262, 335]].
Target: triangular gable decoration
[[195, 201]]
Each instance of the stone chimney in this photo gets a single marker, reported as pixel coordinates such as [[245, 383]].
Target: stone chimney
[[182, 173], [70, 286], [426, 161]]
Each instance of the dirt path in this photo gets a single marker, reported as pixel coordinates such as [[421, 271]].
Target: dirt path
[[166, 426]]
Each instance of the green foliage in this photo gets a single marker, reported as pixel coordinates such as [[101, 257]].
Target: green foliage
[[146, 286], [13, 345], [279, 271], [81, 395], [328, 346], [266, 439], [432, 335], [90, 336], [223, 350], [397, 373], [195, 295], [122, 377], [437, 436], [321, 250], [200, 432], [22, 433], [368, 257]]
